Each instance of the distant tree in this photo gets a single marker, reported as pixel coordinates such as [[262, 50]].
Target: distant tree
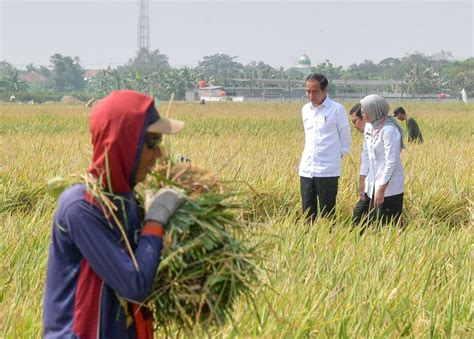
[[328, 69], [416, 57], [363, 71], [389, 62], [146, 62], [175, 80], [294, 73], [391, 69], [13, 83], [464, 79], [260, 70], [422, 79], [10, 79], [67, 74], [6, 68], [424, 74], [220, 68], [443, 56], [461, 75], [30, 67], [44, 71]]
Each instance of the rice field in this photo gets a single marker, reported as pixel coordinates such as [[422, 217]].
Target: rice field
[[320, 281]]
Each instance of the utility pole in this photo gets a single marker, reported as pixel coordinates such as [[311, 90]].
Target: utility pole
[[144, 25]]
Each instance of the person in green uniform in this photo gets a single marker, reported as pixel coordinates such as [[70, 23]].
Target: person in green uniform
[[414, 133]]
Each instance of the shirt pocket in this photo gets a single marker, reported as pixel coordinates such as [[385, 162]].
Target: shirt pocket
[[308, 124], [325, 124]]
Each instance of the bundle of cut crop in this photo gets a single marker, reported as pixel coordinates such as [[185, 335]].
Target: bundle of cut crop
[[205, 265]]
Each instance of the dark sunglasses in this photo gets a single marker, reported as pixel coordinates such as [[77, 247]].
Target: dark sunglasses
[[153, 142]]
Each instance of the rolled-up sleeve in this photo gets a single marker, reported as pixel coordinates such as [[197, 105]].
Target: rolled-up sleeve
[[344, 131], [392, 148]]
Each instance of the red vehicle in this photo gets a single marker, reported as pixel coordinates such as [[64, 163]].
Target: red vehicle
[[443, 95]]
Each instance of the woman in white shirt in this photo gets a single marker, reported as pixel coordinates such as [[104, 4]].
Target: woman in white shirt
[[381, 166]]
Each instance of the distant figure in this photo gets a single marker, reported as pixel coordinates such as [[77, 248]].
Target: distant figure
[[464, 96], [361, 209], [202, 102], [327, 139], [12, 98], [414, 133]]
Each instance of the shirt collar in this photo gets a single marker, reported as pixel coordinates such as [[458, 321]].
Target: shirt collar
[[325, 103]]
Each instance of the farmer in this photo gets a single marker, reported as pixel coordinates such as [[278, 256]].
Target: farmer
[[92, 284], [381, 166], [361, 209], [414, 133], [327, 139]]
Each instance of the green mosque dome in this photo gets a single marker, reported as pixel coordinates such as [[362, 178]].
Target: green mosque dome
[[304, 61]]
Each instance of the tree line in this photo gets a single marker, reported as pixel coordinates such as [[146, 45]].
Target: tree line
[[150, 72]]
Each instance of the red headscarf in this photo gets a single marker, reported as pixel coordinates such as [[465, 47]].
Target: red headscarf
[[117, 126]]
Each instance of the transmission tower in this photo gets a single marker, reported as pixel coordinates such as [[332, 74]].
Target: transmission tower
[[144, 25]]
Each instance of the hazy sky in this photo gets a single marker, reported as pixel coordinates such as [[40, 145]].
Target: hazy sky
[[104, 32]]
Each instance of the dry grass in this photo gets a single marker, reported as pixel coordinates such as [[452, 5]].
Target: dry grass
[[385, 284]]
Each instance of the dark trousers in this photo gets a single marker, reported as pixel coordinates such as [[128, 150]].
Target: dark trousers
[[390, 211], [361, 211], [322, 190]]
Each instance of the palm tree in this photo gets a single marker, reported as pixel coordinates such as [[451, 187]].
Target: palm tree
[[13, 83], [422, 79]]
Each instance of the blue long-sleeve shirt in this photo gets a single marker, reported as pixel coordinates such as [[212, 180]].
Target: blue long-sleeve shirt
[[89, 267]]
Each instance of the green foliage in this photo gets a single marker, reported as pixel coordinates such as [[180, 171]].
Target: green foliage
[[295, 74], [260, 70], [328, 69], [161, 84], [150, 72], [10, 80], [461, 75], [67, 74], [218, 68], [421, 79], [146, 62], [364, 71]]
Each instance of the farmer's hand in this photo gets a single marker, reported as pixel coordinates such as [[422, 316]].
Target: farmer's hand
[[161, 206]]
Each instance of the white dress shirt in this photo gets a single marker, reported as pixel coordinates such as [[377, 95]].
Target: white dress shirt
[[381, 160], [327, 138]]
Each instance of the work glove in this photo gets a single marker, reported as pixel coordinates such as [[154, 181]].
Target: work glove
[[160, 206]]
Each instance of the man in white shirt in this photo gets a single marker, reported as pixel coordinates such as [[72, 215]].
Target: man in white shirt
[[361, 209], [327, 139]]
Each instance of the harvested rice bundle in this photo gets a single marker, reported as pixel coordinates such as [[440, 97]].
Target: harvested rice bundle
[[205, 266], [194, 180]]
